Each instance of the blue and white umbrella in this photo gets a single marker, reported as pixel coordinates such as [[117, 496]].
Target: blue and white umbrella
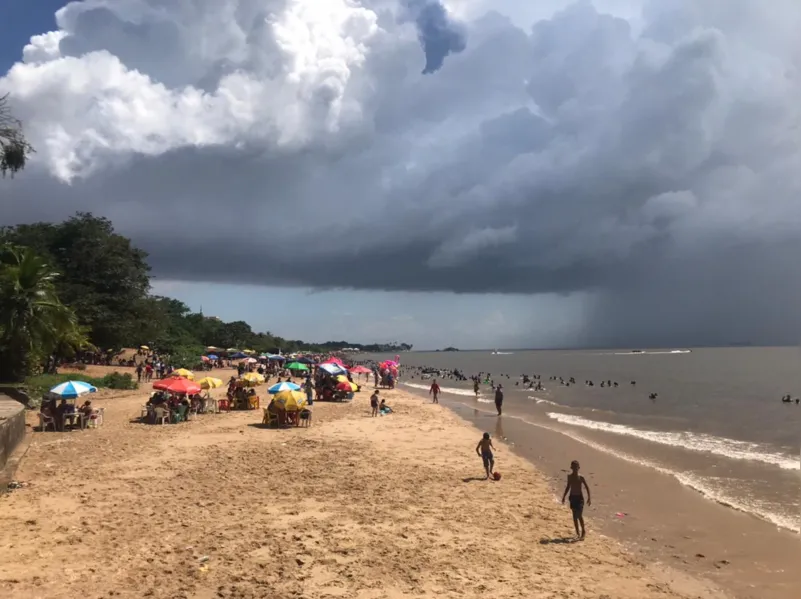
[[73, 389], [213, 357], [277, 388], [331, 368]]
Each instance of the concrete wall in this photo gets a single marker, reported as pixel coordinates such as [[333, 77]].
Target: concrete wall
[[12, 427]]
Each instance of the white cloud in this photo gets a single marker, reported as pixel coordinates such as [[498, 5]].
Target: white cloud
[[603, 146]]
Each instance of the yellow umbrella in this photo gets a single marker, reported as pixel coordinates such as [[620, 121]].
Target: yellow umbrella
[[292, 401], [341, 378], [143, 347], [253, 379], [248, 351], [232, 350], [210, 382], [212, 348], [183, 372]]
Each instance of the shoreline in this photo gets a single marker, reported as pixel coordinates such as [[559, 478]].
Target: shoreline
[[371, 508], [751, 558]]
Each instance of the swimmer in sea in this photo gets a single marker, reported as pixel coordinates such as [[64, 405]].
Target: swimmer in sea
[[574, 484], [475, 387]]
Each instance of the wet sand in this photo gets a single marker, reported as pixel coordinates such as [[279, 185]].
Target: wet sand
[[354, 506], [660, 520]]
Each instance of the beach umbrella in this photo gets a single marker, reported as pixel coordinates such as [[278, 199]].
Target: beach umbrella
[[232, 350], [292, 401], [210, 382], [334, 360], [253, 379], [183, 372], [296, 366], [204, 358], [347, 386], [213, 357], [143, 347], [177, 384], [212, 348], [332, 368], [276, 358], [73, 389], [341, 378], [360, 370], [305, 360], [278, 387], [238, 356], [250, 361]]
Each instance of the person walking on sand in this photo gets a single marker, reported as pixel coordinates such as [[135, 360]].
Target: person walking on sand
[[484, 451], [574, 484], [434, 390], [374, 403], [499, 399]]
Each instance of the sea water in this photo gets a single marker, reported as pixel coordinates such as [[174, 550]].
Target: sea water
[[717, 424]]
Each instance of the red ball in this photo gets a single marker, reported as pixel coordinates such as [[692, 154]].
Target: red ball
[[496, 475]]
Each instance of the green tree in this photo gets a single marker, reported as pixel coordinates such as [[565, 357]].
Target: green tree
[[14, 148], [104, 278], [33, 322]]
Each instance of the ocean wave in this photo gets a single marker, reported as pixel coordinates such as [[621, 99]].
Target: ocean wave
[[705, 486], [652, 353], [451, 390], [540, 400], [728, 448]]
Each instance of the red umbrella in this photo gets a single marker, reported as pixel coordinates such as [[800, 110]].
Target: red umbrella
[[177, 385], [360, 370], [334, 360]]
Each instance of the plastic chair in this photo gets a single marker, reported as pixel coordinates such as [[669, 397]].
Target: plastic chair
[[96, 418], [161, 414], [45, 421]]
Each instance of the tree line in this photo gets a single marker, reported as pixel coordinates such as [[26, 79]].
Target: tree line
[[77, 285]]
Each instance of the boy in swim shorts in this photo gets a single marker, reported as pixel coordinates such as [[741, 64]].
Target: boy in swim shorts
[[484, 450], [574, 484]]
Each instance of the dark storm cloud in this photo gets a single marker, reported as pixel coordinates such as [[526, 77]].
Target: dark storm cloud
[[654, 168], [440, 35]]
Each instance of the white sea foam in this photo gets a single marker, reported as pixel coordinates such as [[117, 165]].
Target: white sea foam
[[729, 448], [540, 400], [652, 353], [705, 487], [451, 390]]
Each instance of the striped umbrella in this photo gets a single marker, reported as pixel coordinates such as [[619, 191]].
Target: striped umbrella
[[278, 387], [72, 389]]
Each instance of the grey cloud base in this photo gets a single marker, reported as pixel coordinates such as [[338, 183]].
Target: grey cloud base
[[650, 165]]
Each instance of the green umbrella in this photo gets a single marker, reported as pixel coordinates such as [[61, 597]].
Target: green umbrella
[[296, 366]]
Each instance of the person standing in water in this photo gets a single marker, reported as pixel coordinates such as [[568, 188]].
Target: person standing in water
[[434, 390], [499, 399], [575, 482]]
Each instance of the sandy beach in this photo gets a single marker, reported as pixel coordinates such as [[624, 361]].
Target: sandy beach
[[354, 506]]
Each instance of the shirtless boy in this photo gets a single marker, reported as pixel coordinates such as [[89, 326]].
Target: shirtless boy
[[574, 483], [484, 449]]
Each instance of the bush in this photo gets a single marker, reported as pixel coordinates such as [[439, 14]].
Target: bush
[[41, 384], [115, 380]]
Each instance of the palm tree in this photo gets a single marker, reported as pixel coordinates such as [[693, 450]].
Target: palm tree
[[33, 322]]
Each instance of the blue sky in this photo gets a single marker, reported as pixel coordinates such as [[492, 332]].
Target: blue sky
[[20, 19]]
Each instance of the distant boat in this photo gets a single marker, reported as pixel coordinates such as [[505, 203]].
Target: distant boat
[[636, 351]]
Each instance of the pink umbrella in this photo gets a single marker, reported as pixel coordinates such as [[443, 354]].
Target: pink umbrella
[[334, 360]]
